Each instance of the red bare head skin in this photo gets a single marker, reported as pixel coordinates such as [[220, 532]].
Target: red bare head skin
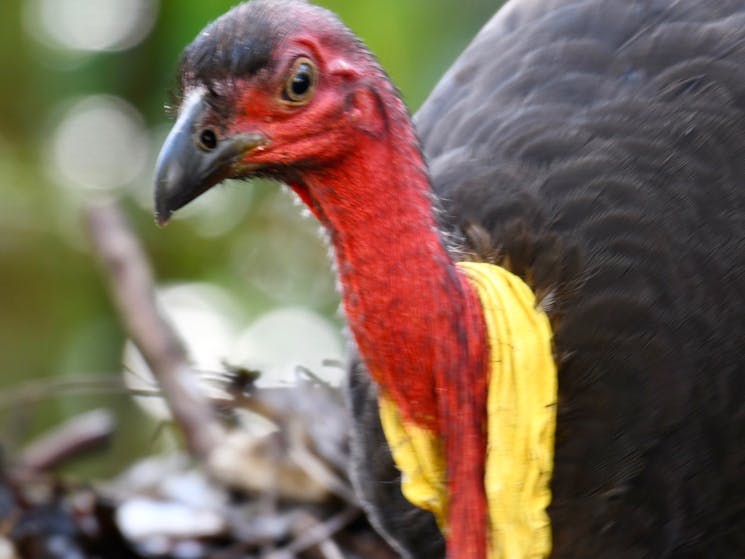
[[347, 146]]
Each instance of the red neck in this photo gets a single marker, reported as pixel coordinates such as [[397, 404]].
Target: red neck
[[416, 320]]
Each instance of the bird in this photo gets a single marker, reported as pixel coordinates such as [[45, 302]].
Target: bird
[[543, 270]]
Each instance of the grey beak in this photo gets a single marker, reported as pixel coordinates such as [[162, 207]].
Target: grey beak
[[186, 168]]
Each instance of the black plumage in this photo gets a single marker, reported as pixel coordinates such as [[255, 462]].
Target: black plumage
[[597, 149]]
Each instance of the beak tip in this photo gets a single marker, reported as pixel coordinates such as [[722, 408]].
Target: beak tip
[[162, 214], [162, 218]]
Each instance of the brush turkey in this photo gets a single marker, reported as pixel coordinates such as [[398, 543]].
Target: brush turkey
[[543, 274]]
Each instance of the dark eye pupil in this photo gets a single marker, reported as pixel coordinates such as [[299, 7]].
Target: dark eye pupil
[[301, 82], [208, 139]]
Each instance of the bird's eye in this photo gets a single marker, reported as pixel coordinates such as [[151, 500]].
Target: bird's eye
[[207, 139], [301, 82]]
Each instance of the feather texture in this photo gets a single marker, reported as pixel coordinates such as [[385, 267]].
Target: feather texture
[[597, 149]]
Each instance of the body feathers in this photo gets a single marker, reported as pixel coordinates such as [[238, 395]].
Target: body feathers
[[597, 149]]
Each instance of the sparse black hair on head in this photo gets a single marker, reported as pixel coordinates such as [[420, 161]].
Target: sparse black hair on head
[[241, 42]]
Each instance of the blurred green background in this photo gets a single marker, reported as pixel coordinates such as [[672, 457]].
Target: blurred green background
[[84, 83]]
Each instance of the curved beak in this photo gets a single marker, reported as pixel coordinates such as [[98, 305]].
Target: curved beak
[[185, 169]]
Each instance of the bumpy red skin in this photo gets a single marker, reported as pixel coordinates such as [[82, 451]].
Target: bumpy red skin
[[354, 159]]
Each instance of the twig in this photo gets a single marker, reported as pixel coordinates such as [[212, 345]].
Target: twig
[[81, 434], [317, 533], [49, 388], [316, 468], [133, 290]]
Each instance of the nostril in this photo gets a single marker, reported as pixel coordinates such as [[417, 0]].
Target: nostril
[[207, 139]]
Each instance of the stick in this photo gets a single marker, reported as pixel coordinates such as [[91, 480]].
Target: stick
[[83, 433], [314, 532], [132, 288]]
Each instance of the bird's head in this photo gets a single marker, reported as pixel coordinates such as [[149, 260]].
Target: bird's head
[[274, 88]]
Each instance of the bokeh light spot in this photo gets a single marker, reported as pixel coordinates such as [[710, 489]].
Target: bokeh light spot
[[101, 143], [206, 319], [282, 340], [91, 25]]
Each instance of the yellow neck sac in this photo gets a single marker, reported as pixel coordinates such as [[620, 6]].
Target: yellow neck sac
[[521, 411]]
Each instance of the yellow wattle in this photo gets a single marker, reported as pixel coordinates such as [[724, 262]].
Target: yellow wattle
[[521, 411]]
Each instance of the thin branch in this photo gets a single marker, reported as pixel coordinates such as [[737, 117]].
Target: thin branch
[[316, 468], [49, 388], [132, 288], [81, 434], [317, 533]]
